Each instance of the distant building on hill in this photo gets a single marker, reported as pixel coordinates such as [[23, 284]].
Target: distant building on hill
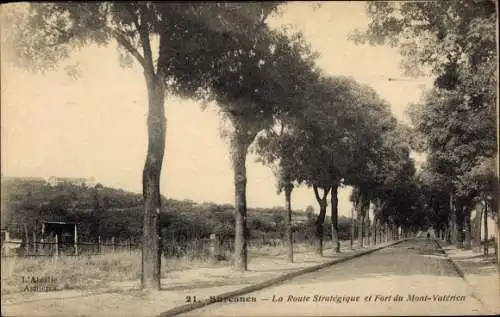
[[53, 180], [88, 181], [25, 179]]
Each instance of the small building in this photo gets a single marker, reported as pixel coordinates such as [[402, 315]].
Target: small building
[[88, 181], [9, 246], [65, 234]]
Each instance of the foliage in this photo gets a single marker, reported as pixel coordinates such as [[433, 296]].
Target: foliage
[[29, 202], [441, 35], [455, 121]]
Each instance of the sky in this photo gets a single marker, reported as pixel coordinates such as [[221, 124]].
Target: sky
[[95, 126]]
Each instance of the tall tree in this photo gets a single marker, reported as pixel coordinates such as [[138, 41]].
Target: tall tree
[[266, 81], [43, 35], [324, 145], [276, 148], [455, 41]]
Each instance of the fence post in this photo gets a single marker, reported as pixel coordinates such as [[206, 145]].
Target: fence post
[[76, 241], [113, 243], [130, 245], [99, 244], [214, 252], [27, 239], [35, 251], [57, 245]]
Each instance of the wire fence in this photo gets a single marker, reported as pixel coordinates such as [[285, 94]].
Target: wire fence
[[170, 248], [41, 248]]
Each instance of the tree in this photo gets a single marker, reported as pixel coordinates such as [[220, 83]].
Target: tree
[[276, 149], [437, 36], [266, 81], [372, 146], [321, 138], [277, 145], [43, 35], [436, 199], [480, 182], [329, 142], [458, 135], [320, 151], [384, 176], [456, 42]]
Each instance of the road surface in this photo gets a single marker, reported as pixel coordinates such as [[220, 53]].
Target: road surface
[[411, 278]]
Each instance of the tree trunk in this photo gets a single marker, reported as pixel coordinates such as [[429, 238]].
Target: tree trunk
[[380, 232], [319, 238], [364, 205], [494, 203], [467, 228], [374, 229], [485, 246], [334, 218], [460, 226], [352, 228], [240, 146], [495, 207], [453, 228], [288, 222], [386, 230], [321, 218], [360, 227], [451, 237], [367, 226], [156, 122], [453, 222], [476, 231]]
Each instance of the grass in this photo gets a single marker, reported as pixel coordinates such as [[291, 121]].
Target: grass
[[95, 271]]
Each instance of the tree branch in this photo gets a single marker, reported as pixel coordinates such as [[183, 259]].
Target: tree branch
[[146, 45], [326, 190], [315, 188], [122, 40]]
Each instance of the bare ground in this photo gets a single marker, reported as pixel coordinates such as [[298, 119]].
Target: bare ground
[[124, 299]]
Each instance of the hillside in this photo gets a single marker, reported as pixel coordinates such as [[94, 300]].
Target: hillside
[[108, 212]]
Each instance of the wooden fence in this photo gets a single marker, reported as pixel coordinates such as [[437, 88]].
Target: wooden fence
[[170, 248], [55, 247]]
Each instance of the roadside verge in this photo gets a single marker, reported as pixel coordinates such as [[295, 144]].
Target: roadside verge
[[271, 282], [481, 277]]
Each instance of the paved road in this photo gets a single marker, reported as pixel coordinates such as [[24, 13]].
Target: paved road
[[412, 278]]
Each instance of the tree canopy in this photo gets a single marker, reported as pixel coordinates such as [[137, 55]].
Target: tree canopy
[[455, 121]]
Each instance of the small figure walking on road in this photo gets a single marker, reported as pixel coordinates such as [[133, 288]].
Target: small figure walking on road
[[428, 235]]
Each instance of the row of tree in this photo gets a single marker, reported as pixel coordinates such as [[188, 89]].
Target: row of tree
[[322, 131], [455, 122], [344, 135]]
